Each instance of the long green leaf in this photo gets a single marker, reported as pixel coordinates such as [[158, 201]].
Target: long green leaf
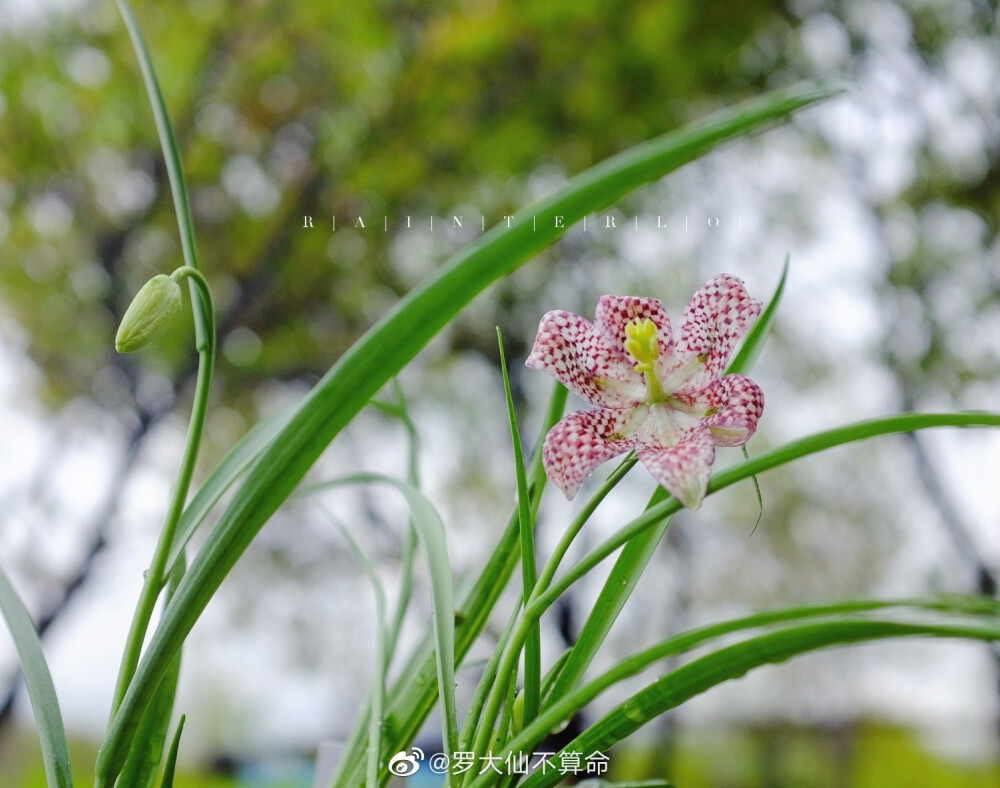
[[562, 709], [226, 473], [41, 692], [147, 747], [529, 571], [614, 594], [408, 552], [554, 714], [376, 701], [734, 661], [362, 725], [171, 762], [754, 343], [388, 346], [431, 531]]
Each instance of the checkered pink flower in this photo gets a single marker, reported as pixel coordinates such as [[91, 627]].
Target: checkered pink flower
[[658, 391]]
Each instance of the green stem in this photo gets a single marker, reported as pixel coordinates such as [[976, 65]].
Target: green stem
[[549, 570], [532, 611], [154, 578], [486, 682]]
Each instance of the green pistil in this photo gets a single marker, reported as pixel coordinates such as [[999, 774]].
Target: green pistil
[[642, 343]]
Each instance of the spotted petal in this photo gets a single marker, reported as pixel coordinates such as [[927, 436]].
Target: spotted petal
[[579, 356], [730, 407], [716, 318], [678, 451], [615, 312], [583, 440]]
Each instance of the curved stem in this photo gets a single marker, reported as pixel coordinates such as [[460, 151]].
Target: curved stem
[[549, 570], [154, 577], [204, 326], [533, 611]]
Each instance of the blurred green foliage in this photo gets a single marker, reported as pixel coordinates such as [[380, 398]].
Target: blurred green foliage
[[411, 108], [287, 109]]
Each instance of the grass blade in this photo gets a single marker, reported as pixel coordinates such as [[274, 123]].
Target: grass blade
[[529, 571], [486, 682], [171, 764], [754, 343], [619, 587], [376, 700], [233, 465], [401, 410], [851, 433], [41, 692], [392, 343], [431, 531], [398, 410]]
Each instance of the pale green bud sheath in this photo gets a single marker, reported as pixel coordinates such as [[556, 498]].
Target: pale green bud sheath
[[204, 340], [154, 306], [643, 344]]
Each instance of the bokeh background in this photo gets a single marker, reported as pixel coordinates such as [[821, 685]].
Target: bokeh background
[[885, 199]]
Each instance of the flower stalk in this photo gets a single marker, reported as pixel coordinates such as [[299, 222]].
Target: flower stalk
[[154, 578]]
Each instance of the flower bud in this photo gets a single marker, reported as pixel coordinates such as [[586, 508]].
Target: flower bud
[[153, 307]]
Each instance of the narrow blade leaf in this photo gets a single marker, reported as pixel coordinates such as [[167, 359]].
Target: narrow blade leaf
[[757, 338], [41, 692], [617, 589], [171, 764], [529, 571], [233, 465], [431, 531]]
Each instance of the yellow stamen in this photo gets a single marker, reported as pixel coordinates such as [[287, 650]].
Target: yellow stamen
[[642, 344]]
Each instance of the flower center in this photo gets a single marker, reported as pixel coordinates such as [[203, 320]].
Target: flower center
[[642, 344]]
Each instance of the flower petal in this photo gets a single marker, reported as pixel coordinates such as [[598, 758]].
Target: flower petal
[[678, 451], [730, 407], [576, 354], [716, 318], [615, 312], [736, 422], [583, 440]]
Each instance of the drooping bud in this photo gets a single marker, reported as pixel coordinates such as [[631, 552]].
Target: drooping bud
[[153, 307]]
